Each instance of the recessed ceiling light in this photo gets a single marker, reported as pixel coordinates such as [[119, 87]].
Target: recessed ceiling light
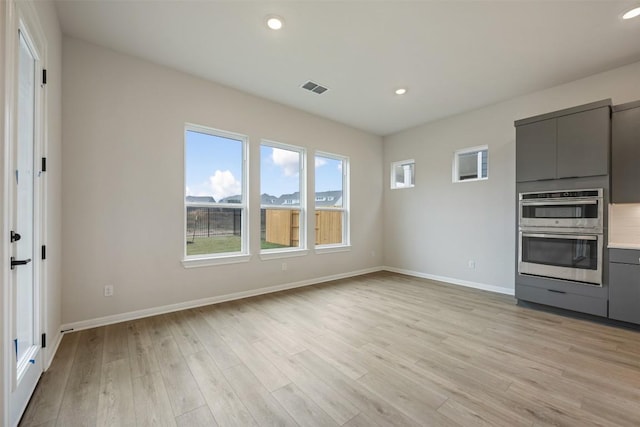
[[401, 91], [274, 22], [632, 13]]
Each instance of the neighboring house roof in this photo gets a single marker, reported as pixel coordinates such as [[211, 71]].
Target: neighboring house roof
[[322, 199], [237, 198], [200, 199], [328, 198], [268, 199]]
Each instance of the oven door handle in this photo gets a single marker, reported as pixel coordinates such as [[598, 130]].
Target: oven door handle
[[559, 236], [559, 202]]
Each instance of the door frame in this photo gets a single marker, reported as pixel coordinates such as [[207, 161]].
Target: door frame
[[21, 16]]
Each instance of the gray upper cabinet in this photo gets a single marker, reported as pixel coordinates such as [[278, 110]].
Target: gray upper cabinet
[[564, 144], [625, 156], [583, 143], [536, 151]]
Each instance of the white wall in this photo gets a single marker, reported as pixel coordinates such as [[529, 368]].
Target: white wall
[[435, 228], [123, 184]]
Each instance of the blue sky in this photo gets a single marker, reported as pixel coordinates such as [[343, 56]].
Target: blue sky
[[328, 174], [214, 165], [214, 168]]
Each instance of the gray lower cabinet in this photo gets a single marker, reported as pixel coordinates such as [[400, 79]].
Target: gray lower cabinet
[[624, 285], [625, 153], [562, 299], [570, 143], [574, 296]]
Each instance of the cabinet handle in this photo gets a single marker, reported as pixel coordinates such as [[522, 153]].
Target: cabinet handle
[[556, 292]]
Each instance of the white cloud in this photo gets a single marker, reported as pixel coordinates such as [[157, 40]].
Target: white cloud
[[289, 161], [320, 162], [224, 184], [340, 166], [188, 191]]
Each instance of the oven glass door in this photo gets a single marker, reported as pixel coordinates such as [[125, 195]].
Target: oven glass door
[[564, 213], [562, 256]]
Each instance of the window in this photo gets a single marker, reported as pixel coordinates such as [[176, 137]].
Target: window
[[215, 193], [403, 174], [282, 192], [331, 200], [470, 164]]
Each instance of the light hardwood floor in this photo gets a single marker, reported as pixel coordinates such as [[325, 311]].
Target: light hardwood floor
[[380, 349]]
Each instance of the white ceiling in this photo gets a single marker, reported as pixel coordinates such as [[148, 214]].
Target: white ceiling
[[452, 56]]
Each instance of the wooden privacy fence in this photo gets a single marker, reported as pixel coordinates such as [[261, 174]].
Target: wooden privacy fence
[[282, 226], [328, 227]]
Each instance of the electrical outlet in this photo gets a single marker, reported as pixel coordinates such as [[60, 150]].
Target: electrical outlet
[[472, 264], [284, 266], [108, 291]]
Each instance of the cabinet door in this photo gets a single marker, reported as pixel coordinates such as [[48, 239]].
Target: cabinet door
[[536, 151], [625, 160], [583, 143], [624, 292]]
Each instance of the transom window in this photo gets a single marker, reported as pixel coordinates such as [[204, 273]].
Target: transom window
[[403, 174], [471, 164]]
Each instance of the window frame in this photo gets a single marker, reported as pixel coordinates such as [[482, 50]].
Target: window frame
[[393, 183], [346, 205], [301, 207], [244, 254], [456, 163]]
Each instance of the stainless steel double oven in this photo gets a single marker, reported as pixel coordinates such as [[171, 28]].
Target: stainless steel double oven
[[561, 235]]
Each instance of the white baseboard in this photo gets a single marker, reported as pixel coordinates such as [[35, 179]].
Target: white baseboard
[[468, 284], [52, 350], [147, 312]]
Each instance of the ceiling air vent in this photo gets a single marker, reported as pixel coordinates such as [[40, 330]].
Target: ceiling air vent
[[314, 87]]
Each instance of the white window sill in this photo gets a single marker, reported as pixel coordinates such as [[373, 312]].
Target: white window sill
[[332, 248], [283, 253], [403, 187], [470, 180], [217, 260]]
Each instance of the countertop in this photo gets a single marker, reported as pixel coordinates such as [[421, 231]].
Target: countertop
[[635, 246]]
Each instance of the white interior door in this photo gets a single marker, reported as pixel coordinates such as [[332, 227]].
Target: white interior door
[[27, 362]]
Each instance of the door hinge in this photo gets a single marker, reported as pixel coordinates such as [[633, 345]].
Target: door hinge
[[44, 76], [44, 164], [44, 252], [44, 340]]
